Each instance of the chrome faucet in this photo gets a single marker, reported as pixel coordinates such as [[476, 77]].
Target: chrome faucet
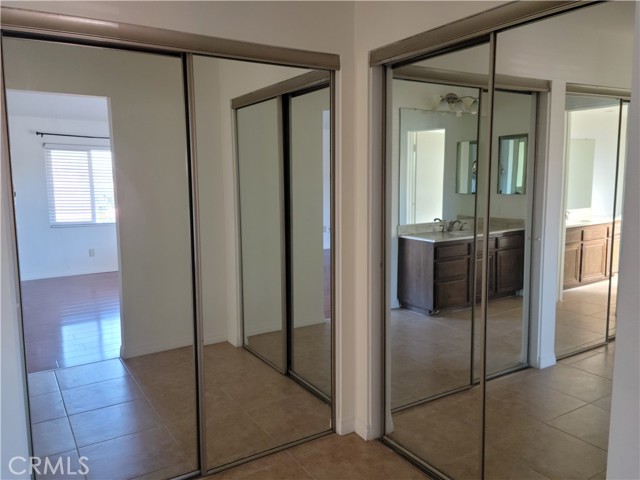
[[442, 223], [453, 224]]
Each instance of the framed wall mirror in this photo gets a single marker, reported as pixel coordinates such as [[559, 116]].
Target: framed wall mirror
[[512, 164], [467, 167]]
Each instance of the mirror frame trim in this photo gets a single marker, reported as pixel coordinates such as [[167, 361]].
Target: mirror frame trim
[[467, 29], [67, 28]]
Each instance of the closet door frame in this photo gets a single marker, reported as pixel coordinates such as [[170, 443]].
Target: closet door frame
[[19, 23]]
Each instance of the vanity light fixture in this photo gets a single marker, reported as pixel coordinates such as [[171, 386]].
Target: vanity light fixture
[[456, 104]]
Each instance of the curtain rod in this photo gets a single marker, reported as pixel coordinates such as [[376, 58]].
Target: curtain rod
[[42, 134]]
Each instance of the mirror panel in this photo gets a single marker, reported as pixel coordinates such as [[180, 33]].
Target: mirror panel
[[310, 191], [537, 409], [129, 400], [433, 404], [261, 226], [262, 377], [591, 159], [509, 232], [614, 241]]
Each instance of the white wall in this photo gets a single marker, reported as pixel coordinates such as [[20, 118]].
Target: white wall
[[47, 251], [261, 219], [307, 206], [149, 148], [601, 126]]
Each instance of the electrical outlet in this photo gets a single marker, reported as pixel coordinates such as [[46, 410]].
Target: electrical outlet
[[92, 252]]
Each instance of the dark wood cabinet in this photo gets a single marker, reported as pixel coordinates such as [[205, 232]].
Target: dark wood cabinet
[[437, 275], [432, 276], [586, 254], [509, 270]]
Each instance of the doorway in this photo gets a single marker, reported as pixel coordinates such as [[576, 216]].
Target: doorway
[[67, 229]]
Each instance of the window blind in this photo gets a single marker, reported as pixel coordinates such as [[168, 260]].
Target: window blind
[[80, 185]]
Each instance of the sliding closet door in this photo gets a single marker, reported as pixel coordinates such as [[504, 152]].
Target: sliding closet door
[[310, 237], [134, 415], [261, 225], [436, 166]]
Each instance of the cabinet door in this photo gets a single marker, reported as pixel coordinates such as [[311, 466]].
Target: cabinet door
[[492, 275], [509, 270], [452, 294], [415, 274], [571, 277], [594, 261]]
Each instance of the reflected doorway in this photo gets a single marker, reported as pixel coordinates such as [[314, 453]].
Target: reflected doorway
[[66, 224], [594, 163]]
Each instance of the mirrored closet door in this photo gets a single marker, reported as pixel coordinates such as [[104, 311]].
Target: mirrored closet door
[[175, 247], [102, 210], [437, 161], [475, 317]]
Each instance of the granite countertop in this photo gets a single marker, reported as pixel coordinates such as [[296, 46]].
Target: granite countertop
[[438, 237]]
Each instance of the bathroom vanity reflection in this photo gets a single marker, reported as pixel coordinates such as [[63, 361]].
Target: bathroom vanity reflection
[[435, 270]]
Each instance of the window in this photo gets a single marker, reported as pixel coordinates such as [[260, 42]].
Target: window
[[80, 185]]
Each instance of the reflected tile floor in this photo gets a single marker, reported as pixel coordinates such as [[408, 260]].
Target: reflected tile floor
[[581, 316], [541, 424], [431, 355]]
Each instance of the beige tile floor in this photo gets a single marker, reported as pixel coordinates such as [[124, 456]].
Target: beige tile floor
[[332, 457], [541, 424], [548, 423], [136, 418]]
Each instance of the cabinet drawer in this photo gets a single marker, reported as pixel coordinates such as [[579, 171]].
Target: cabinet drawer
[[510, 241], [595, 232], [573, 235], [459, 250], [452, 269], [452, 294]]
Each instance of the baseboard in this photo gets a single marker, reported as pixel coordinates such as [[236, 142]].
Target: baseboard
[[268, 328], [364, 430], [215, 339], [155, 348], [345, 426], [546, 361], [27, 278], [263, 328], [308, 322]]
